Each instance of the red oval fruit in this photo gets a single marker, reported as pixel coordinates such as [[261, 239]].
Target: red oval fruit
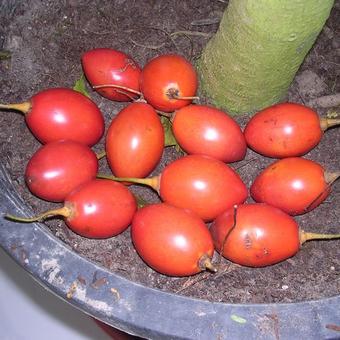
[[198, 183], [172, 241], [284, 130], [100, 209], [135, 141], [108, 66], [205, 130], [263, 235], [62, 113], [59, 167], [202, 184], [295, 185], [95, 209], [168, 82]]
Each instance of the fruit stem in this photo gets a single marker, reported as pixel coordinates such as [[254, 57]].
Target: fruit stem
[[117, 87], [305, 236], [173, 93], [24, 107], [204, 263], [152, 182], [326, 123], [63, 211], [331, 177], [186, 98]]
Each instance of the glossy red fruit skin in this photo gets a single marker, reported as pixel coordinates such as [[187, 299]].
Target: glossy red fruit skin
[[204, 130], [102, 209], [168, 71], [135, 141], [284, 130], [295, 185], [62, 113], [171, 240], [263, 235], [57, 168], [108, 66], [202, 184]]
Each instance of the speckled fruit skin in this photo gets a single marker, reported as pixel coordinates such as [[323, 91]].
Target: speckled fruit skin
[[164, 72], [135, 141], [171, 240], [62, 113], [202, 184], [284, 130], [104, 66], [57, 168], [263, 235], [295, 185], [204, 130], [101, 209]]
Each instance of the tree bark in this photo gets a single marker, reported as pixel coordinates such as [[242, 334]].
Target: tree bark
[[251, 61]]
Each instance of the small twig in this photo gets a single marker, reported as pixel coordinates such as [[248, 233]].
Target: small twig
[[275, 319], [191, 282], [326, 101], [203, 22], [101, 154], [152, 47], [98, 33], [227, 269], [191, 46], [157, 29], [323, 192], [192, 33], [245, 164]]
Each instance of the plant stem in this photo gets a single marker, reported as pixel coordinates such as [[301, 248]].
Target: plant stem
[[63, 211], [24, 107], [326, 123], [173, 93], [185, 98], [118, 87], [152, 182], [331, 177], [305, 236]]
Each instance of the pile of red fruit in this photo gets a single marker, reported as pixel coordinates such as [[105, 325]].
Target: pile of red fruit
[[173, 237]]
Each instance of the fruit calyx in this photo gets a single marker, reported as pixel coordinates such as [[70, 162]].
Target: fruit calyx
[[173, 93], [204, 263]]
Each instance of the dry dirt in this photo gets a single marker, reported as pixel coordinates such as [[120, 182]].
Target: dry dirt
[[46, 39]]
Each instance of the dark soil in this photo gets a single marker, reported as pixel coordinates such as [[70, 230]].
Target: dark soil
[[46, 39]]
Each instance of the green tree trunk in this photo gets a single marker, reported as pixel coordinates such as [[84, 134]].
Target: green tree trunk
[[251, 61]]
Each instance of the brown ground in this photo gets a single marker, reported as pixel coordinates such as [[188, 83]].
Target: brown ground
[[46, 40]]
